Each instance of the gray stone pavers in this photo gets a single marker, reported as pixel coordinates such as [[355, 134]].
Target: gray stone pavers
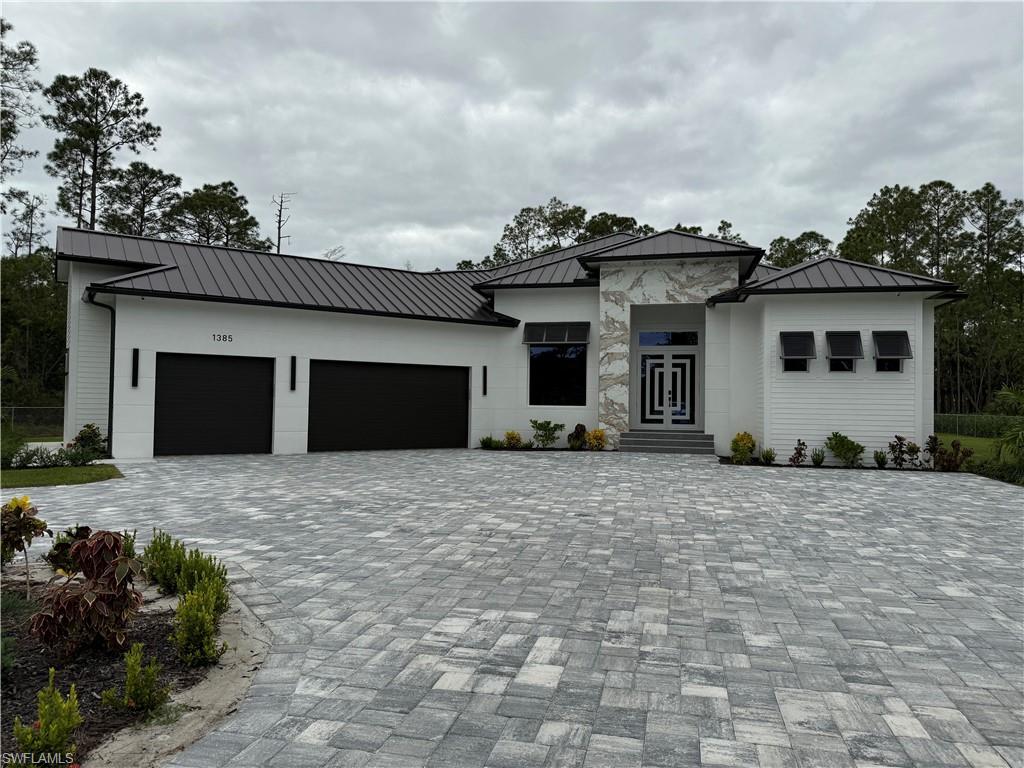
[[557, 610]]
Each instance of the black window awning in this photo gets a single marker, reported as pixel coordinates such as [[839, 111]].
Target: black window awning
[[892, 345], [844, 344], [797, 345], [556, 333]]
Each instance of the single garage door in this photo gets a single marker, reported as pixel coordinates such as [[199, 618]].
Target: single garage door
[[375, 405], [213, 404]]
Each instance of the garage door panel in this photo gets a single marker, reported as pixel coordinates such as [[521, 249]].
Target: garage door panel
[[356, 405], [209, 404]]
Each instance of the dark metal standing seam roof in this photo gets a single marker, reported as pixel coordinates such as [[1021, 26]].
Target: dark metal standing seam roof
[[835, 275], [216, 273]]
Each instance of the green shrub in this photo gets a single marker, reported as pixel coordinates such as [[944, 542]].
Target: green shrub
[[577, 438], [162, 559], [881, 459], [973, 424], [128, 540], [742, 447], [49, 737], [40, 457], [11, 443], [818, 457], [768, 456], [59, 556], [195, 626], [513, 440], [89, 438], [846, 450], [527, 445], [799, 454], [197, 568], [489, 443], [997, 470], [545, 433], [595, 440], [142, 689]]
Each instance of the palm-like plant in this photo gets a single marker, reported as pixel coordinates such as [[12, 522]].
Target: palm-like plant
[[1010, 444]]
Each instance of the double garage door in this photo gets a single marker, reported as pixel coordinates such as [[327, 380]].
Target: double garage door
[[210, 404]]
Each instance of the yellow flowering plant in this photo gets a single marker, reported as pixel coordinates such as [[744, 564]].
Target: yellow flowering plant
[[18, 527]]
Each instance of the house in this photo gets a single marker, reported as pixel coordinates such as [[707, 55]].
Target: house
[[671, 341]]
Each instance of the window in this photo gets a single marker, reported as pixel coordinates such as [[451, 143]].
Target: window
[[668, 338], [891, 349], [556, 333], [797, 349], [558, 374], [844, 349], [558, 362]]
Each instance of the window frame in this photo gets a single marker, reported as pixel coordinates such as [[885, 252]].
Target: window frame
[[889, 360], [842, 361], [804, 361]]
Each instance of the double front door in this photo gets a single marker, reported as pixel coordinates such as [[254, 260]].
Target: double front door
[[668, 388]]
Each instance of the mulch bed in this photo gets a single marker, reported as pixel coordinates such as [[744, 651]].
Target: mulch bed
[[90, 669], [809, 465]]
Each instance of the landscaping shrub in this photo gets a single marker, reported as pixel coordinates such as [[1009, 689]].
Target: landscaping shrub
[[142, 689], [768, 456], [997, 470], [818, 457], [59, 556], [195, 626], [18, 527], [881, 459], [11, 443], [742, 447], [527, 445], [98, 604], [1010, 445], [898, 451], [843, 448], [973, 424], [799, 454], [545, 433], [89, 438], [513, 440], [196, 568], [931, 450], [489, 443], [953, 458], [577, 438], [40, 457], [162, 559], [49, 737], [595, 440], [128, 542]]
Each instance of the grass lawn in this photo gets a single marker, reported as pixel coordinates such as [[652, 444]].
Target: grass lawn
[[983, 447], [33, 478]]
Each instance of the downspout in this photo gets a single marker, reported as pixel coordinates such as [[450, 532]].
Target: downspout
[[90, 296]]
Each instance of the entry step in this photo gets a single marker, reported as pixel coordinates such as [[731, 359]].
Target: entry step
[[665, 441]]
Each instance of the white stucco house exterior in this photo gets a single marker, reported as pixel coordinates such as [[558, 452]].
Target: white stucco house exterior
[[671, 341]]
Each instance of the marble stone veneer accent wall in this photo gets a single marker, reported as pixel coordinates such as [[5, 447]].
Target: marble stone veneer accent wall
[[683, 281]]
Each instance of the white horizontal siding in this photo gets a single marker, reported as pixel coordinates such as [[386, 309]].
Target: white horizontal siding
[[868, 406]]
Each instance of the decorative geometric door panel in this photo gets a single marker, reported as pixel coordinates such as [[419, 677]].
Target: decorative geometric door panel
[[667, 389]]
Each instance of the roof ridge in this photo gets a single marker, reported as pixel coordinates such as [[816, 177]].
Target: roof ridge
[[787, 271], [554, 261]]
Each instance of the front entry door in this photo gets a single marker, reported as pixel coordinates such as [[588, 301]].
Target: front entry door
[[667, 389]]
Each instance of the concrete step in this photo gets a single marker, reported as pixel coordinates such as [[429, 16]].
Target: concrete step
[[666, 436], [693, 450], [667, 443]]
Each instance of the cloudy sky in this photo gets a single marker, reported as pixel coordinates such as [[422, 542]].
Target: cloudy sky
[[412, 133]]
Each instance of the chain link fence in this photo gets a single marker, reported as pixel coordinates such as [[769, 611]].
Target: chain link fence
[[42, 424]]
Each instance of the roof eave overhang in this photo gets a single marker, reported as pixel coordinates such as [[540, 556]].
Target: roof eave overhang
[[740, 295], [574, 284], [757, 253], [499, 320]]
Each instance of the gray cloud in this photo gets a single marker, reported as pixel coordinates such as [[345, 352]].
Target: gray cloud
[[414, 132]]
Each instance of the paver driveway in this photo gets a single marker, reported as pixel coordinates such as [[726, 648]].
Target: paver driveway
[[461, 608]]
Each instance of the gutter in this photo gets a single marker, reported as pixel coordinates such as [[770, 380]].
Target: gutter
[[90, 297]]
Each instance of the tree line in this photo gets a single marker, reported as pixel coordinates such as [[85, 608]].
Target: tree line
[[973, 238]]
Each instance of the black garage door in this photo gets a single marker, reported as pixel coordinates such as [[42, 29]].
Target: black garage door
[[375, 405], [213, 404]]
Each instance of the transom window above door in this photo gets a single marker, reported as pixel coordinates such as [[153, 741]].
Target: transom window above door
[[668, 338]]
